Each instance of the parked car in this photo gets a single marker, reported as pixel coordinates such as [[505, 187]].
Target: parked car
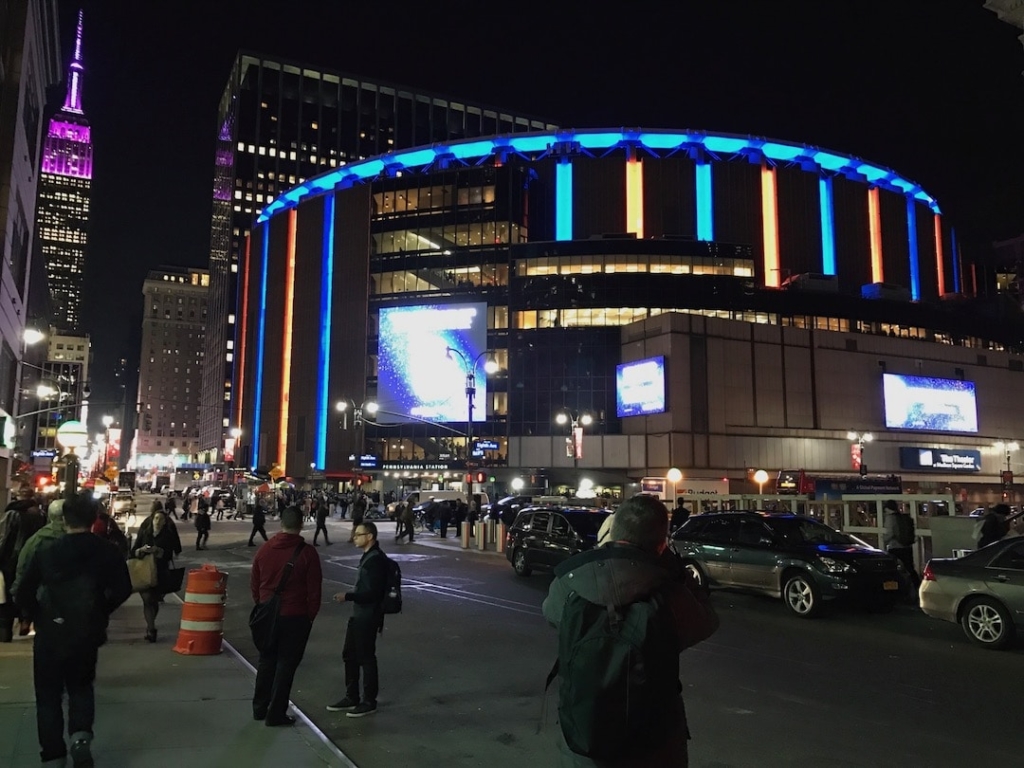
[[983, 592], [508, 508], [545, 536], [796, 558]]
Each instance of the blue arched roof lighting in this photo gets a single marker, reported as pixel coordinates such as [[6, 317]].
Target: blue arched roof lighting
[[655, 142]]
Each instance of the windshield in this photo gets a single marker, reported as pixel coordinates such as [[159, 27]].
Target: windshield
[[795, 530], [587, 524]]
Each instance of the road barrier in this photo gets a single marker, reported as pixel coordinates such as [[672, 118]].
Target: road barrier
[[465, 534], [500, 537], [202, 615]]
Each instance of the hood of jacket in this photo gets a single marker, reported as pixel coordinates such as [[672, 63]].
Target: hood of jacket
[[284, 540], [615, 574]]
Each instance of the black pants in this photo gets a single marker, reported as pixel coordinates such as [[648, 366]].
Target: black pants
[[53, 676], [444, 528], [276, 668], [402, 530], [8, 618], [150, 607], [257, 529], [201, 538], [360, 653], [906, 556], [321, 526]]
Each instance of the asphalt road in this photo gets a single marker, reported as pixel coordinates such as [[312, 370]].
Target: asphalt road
[[463, 668]]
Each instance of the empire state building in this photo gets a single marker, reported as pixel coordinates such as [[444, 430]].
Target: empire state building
[[65, 188]]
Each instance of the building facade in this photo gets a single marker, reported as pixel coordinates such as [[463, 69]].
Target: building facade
[[279, 124], [62, 387], [395, 278], [30, 61], [170, 368], [65, 192]]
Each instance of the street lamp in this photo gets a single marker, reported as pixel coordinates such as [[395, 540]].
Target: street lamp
[[1011, 447], [576, 422], [490, 366], [107, 421], [760, 477], [71, 435], [859, 438]]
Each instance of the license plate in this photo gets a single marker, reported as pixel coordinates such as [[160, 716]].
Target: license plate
[[890, 586]]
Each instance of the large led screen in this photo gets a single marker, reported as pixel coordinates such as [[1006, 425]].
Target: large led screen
[[417, 379], [640, 387], [928, 404]]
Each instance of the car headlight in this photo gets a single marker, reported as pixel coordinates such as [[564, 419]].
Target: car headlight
[[831, 565]]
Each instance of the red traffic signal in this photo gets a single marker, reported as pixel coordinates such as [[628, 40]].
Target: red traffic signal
[[481, 477]]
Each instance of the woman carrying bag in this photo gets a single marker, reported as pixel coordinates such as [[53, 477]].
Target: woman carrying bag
[[158, 538]]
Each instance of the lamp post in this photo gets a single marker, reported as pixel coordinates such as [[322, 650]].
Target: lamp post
[[859, 438], [107, 421], [760, 477], [490, 366], [1008, 448], [71, 435], [576, 421]]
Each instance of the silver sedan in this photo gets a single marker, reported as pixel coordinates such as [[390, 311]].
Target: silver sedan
[[983, 592]]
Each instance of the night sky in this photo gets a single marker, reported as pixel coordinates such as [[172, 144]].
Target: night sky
[[930, 88]]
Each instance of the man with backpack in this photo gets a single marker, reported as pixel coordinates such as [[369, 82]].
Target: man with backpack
[[360, 650], [70, 587], [899, 537], [624, 612]]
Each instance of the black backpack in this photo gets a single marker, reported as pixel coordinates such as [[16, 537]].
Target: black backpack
[[393, 593], [71, 613], [904, 529], [619, 671]]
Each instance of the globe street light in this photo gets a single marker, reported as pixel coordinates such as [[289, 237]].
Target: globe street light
[[760, 477], [490, 366], [576, 423], [1011, 447]]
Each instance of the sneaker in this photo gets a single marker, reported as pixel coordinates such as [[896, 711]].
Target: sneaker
[[344, 705], [81, 755], [284, 722], [362, 710]]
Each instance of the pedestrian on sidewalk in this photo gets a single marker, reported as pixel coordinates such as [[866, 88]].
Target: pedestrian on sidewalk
[[321, 523], [898, 539], [106, 528], [53, 529], [71, 586], [367, 621], [186, 508], [21, 519], [259, 520], [299, 605], [358, 513], [219, 507], [203, 526], [171, 506], [157, 536]]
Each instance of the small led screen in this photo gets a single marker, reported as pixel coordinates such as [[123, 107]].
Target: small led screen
[[417, 376], [640, 387], [928, 404]]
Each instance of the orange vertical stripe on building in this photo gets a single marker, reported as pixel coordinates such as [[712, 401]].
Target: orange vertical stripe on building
[[875, 230], [241, 340], [635, 197], [940, 267], [770, 226], [286, 344]]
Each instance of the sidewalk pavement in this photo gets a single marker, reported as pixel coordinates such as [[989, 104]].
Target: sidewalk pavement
[[158, 709]]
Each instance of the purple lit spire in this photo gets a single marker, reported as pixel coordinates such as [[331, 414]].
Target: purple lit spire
[[68, 147], [73, 100]]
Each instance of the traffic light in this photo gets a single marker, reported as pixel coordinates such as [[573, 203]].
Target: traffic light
[[481, 477], [468, 478]]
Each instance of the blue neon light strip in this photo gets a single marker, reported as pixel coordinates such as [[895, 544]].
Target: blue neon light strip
[[915, 266], [563, 200], [956, 261], [705, 203], [478, 150], [828, 228], [326, 305], [261, 328]]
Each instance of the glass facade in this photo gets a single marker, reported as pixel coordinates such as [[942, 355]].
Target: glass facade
[[281, 123]]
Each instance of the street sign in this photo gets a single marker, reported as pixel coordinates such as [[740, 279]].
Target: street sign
[[487, 445]]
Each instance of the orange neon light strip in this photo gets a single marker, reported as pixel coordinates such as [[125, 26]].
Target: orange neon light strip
[[635, 197], [770, 226], [875, 229], [286, 345], [939, 265], [241, 340]]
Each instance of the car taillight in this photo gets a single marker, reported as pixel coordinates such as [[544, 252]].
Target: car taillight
[[929, 574]]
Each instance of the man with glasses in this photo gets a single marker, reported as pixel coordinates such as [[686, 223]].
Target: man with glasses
[[360, 651]]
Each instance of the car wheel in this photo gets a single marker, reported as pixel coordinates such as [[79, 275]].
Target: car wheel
[[520, 564], [987, 623], [801, 595]]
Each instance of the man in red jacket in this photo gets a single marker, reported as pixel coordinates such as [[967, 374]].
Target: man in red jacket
[[300, 602]]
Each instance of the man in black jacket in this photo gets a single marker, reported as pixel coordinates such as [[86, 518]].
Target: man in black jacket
[[360, 651], [70, 587], [259, 519]]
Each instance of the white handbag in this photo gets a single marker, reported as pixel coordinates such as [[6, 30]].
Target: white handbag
[[3, 588]]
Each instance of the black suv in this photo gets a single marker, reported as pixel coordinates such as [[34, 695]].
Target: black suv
[[545, 536], [790, 556]]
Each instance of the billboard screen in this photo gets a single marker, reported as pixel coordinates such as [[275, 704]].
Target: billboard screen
[[416, 377], [929, 405], [640, 387]]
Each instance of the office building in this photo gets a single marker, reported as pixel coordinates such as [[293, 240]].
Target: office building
[[62, 387], [279, 124], [170, 365], [65, 191]]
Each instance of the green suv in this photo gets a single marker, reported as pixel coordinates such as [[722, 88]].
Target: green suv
[[793, 557]]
